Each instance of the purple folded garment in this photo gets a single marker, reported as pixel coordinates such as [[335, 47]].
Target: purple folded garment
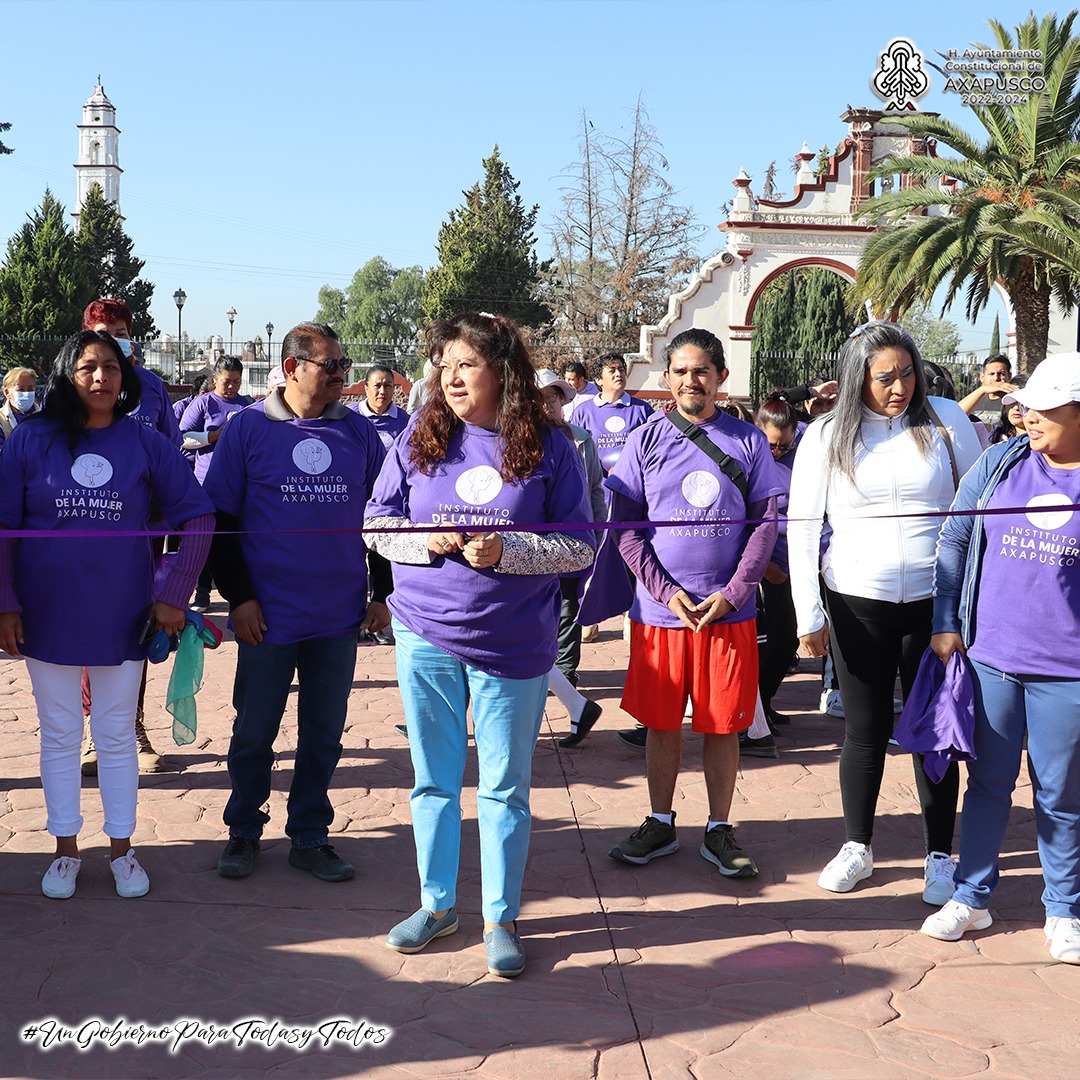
[[938, 720], [608, 591]]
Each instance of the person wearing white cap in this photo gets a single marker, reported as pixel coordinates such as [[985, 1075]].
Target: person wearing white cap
[[563, 677], [1014, 532]]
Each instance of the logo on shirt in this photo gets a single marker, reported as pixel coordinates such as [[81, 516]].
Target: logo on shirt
[[701, 489], [614, 423], [478, 486], [312, 456], [91, 470], [1048, 519]]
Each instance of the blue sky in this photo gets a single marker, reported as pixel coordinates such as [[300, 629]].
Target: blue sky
[[271, 147]]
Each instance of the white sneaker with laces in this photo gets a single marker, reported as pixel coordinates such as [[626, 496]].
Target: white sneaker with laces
[[59, 880], [852, 864], [831, 704], [130, 877], [954, 920], [1063, 937], [938, 871]]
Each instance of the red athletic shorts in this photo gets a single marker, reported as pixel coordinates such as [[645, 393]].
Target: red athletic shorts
[[717, 669]]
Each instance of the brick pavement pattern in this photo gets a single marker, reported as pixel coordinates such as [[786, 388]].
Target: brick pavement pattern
[[661, 971]]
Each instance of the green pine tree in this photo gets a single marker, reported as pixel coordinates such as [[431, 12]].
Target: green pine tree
[[487, 254], [5, 149], [995, 338], [114, 269], [44, 286], [822, 319]]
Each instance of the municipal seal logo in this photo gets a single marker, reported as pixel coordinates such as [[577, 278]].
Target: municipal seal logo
[[1047, 519], [312, 456], [701, 489], [91, 470], [614, 423], [478, 486]]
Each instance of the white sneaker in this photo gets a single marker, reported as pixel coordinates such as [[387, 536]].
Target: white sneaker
[[831, 704], [59, 880], [131, 879], [897, 706], [954, 920], [1063, 937], [938, 872], [853, 863]]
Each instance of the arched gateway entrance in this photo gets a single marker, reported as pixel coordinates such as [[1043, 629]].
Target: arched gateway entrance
[[814, 228]]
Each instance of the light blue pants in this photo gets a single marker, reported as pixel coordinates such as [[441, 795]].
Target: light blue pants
[[1048, 709], [436, 690]]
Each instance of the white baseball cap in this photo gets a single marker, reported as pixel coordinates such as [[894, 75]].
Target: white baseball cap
[[1056, 381], [545, 377]]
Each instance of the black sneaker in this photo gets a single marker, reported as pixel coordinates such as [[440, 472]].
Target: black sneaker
[[322, 862], [775, 717], [634, 739], [721, 849], [201, 603], [763, 747], [238, 858], [649, 840]]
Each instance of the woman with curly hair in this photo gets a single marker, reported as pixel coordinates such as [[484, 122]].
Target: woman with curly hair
[[476, 610]]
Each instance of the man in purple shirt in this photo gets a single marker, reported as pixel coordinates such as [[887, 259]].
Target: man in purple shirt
[[693, 630], [612, 414], [290, 479]]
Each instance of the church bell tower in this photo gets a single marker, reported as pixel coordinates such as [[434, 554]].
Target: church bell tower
[[99, 151]]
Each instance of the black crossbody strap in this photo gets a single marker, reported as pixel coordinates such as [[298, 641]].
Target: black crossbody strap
[[728, 465]]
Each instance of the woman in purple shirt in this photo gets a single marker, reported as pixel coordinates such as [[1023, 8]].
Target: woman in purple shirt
[[83, 465], [476, 611], [1022, 544]]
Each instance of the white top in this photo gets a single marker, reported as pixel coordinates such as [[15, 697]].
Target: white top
[[872, 552]]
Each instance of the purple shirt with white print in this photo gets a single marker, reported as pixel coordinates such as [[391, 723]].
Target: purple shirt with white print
[[155, 407], [299, 488], [665, 475], [85, 599], [502, 623], [207, 413], [1029, 583], [610, 422]]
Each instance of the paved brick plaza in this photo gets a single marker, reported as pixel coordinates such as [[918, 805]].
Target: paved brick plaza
[[661, 971]]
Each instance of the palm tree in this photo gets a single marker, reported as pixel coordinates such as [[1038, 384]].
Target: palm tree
[[1000, 211]]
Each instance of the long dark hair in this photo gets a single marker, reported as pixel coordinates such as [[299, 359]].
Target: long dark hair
[[847, 417], [62, 404], [521, 418], [777, 411]]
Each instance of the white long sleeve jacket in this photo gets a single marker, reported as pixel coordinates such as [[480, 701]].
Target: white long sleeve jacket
[[873, 552]]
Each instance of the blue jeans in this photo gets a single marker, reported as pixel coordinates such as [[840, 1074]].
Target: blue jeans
[[436, 690], [324, 669], [1048, 709]]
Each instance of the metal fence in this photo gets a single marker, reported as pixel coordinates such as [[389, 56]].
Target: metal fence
[[781, 370], [178, 363]]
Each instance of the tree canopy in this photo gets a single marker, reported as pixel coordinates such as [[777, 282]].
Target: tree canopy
[[1000, 210], [111, 264], [487, 253], [44, 283], [5, 149], [803, 312]]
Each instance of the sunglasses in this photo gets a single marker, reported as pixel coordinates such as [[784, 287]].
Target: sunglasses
[[330, 366]]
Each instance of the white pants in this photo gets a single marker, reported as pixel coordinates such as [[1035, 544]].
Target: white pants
[[58, 693]]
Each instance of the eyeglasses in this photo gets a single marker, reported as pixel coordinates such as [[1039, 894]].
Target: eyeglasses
[[330, 366], [1025, 410], [782, 448]]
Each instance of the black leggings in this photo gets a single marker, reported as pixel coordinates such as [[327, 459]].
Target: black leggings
[[781, 639], [871, 640]]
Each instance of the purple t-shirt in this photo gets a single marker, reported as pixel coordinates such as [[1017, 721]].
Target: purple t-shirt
[[504, 624], [207, 413], [389, 424], [179, 407], [610, 422], [85, 600], [155, 407], [783, 474], [1028, 608], [279, 476], [672, 480]]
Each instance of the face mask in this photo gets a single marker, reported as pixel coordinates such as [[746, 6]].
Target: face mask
[[125, 346], [23, 400]]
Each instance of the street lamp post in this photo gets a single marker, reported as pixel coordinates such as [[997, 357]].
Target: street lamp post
[[180, 296], [231, 316], [269, 340]]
